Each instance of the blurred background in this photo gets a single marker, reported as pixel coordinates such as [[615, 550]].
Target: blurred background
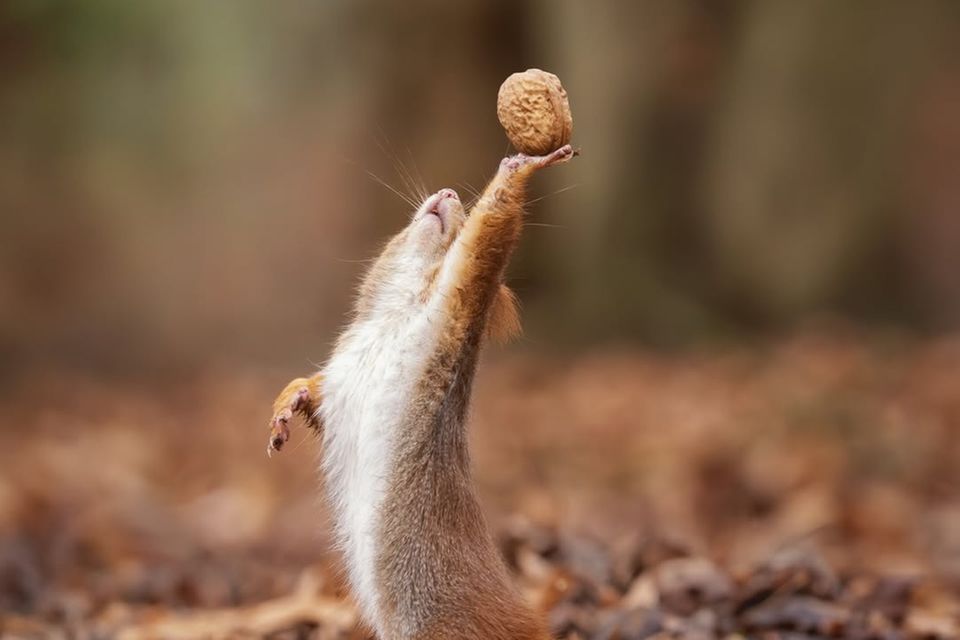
[[740, 303], [187, 183]]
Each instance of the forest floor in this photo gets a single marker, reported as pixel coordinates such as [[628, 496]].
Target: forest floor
[[806, 488]]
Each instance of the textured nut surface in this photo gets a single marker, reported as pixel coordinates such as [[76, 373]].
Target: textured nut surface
[[533, 108]]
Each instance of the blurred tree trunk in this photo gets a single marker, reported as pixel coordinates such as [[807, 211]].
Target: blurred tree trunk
[[801, 188], [930, 198], [741, 160], [643, 79]]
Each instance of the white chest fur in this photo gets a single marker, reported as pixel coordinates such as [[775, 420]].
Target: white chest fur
[[368, 383]]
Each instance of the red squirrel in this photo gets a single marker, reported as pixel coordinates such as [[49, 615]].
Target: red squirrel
[[390, 406]]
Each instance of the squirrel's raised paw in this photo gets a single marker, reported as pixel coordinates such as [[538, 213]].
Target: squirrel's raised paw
[[300, 396], [513, 163]]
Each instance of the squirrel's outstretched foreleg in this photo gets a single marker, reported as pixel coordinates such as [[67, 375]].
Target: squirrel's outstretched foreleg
[[474, 269]]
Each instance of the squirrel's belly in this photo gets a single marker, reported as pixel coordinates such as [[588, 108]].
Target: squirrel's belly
[[368, 384]]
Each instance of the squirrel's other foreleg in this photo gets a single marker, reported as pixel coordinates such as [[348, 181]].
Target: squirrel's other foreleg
[[303, 396]]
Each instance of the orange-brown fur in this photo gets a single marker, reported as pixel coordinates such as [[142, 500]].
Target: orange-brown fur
[[503, 323]]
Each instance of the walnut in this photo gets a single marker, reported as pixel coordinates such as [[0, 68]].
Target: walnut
[[533, 108]]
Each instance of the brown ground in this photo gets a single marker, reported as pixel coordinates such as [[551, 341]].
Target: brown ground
[[809, 487]]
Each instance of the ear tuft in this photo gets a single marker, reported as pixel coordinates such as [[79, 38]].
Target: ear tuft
[[503, 324]]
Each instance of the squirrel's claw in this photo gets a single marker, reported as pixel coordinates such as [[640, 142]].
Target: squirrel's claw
[[563, 154], [279, 430]]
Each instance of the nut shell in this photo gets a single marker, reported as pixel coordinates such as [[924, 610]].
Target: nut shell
[[534, 110]]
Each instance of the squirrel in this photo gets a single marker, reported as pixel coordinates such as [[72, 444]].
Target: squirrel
[[390, 407]]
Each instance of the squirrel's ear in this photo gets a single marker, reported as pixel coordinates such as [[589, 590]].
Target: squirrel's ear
[[504, 322]]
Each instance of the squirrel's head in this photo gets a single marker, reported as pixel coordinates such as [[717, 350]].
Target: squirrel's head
[[410, 263], [434, 226]]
